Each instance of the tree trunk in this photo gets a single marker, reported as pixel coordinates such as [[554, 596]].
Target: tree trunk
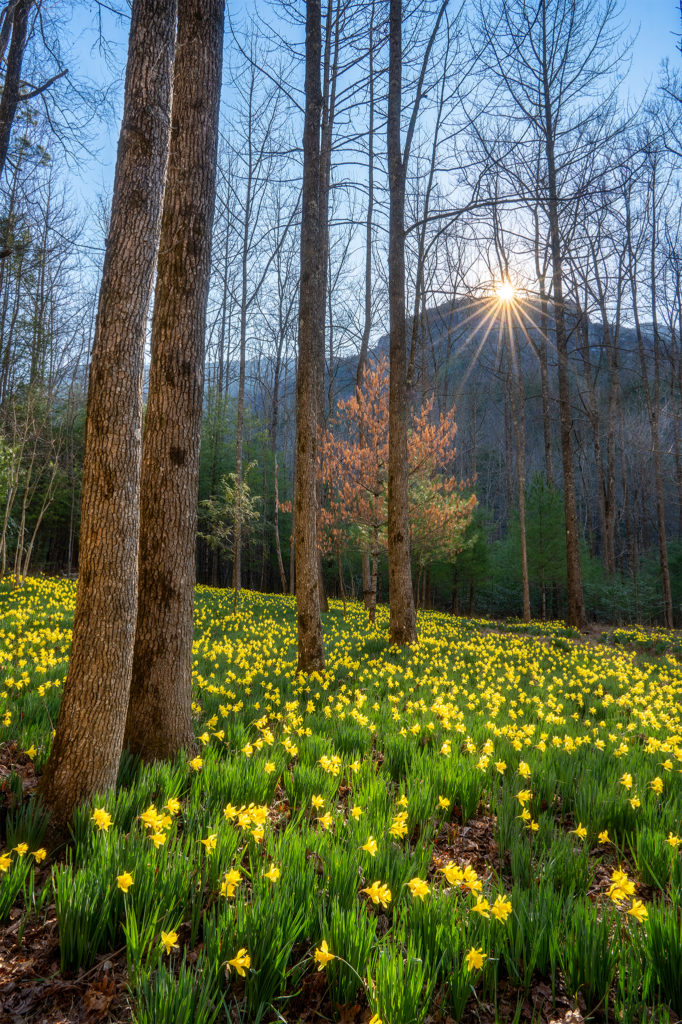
[[9, 100], [576, 606], [340, 571], [652, 392], [330, 70], [403, 626], [518, 414], [374, 588], [243, 309], [280, 563], [455, 591], [367, 325], [89, 735], [159, 722], [310, 644]]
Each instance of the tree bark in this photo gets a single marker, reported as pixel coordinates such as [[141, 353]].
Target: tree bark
[[159, 722], [9, 101], [89, 735], [280, 563], [310, 643], [518, 413], [330, 71], [576, 606], [243, 310], [403, 626], [368, 598]]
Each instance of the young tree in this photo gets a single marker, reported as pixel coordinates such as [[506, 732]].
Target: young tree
[[546, 553], [89, 735], [355, 460], [403, 621], [234, 499], [310, 643], [159, 721]]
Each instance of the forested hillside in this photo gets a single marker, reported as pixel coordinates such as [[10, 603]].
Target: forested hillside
[[478, 215]]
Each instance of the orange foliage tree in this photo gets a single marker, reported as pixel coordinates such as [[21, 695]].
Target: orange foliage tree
[[354, 469]]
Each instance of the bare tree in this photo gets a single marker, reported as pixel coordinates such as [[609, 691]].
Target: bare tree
[[310, 643], [89, 734], [159, 721], [403, 620], [547, 59]]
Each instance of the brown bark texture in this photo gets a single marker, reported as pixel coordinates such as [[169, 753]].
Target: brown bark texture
[[310, 643], [9, 101], [89, 735], [403, 626], [159, 722], [576, 604]]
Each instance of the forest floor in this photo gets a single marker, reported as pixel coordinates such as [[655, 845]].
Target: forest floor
[[484, 827]]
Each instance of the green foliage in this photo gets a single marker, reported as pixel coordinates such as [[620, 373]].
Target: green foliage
[[12, 882], [268, 925], [187, 997], [86, 917], [588, 954], [234, 503], [403, 983], [664, 946], [351, 937]]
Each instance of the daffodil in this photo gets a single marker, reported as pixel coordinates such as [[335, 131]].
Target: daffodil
[[378, 892], [323, 956], [169, 941], [482, 907], [241, 962], [638, 911], [621, 887], [272, 874], [370, 846], [418, 888], [475, 958], [501, 909], [102, 819], [124, 881]]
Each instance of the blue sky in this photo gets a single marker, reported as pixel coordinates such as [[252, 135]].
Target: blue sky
[[654, 22]]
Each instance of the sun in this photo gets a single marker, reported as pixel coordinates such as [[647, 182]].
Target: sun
[[506, 292]]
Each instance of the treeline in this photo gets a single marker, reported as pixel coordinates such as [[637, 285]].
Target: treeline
[[567, 395]]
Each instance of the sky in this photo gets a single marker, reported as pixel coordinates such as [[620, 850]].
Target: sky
[[653, 23]]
